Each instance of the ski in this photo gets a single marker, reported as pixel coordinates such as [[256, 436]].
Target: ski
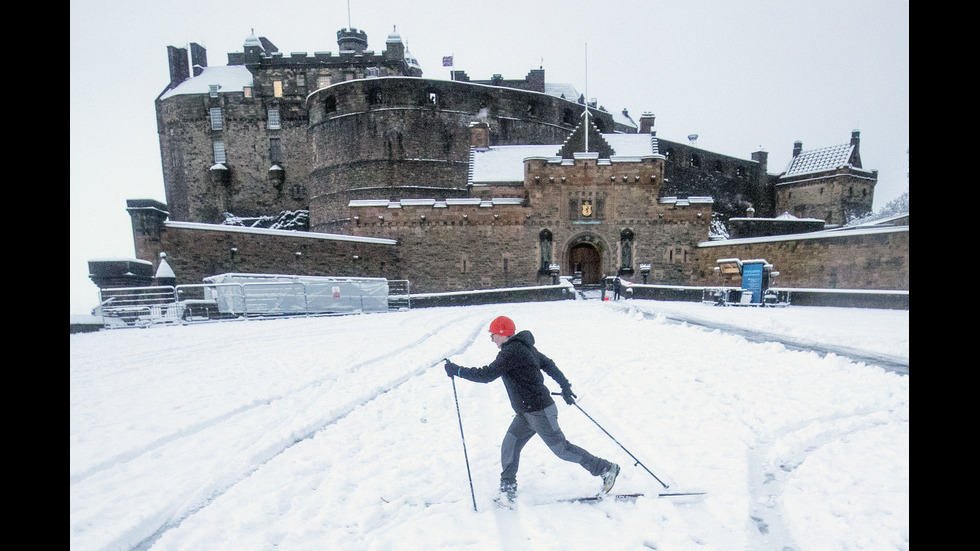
[[505, 503], [601, 497], [681, 494]]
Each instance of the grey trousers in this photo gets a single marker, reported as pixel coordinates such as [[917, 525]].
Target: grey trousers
[[544, 423]]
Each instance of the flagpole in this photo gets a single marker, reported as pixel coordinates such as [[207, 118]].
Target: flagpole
[[586, 97]]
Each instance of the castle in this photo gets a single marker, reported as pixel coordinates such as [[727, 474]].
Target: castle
[[454, 185]]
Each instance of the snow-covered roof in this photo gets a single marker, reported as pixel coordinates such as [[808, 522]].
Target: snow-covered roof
[[436, 203], [818, 160], [560, 89], [687, 201], [411, 60], [281, 233], [632, 145], [622, 118], [825, 234], [229, 78], [505, 163]]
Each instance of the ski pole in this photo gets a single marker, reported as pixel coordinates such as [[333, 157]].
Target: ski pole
[[465, 456], [638, 462]]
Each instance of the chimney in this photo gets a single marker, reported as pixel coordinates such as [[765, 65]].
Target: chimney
[[855, 159], [797, 148], [646, 122], [177, 58], [480, 135], [199, 58]]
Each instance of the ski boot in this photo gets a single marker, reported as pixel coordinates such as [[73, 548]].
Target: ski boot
[[508, 493], [609, 478]]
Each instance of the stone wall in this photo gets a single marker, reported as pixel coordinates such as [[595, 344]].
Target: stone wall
[[195, 251], [473, 243], [406, 133], [200, 192], [872, 259], [834, 197], [734, 183]]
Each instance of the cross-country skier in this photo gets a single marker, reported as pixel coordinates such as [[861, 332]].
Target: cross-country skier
[[520, 365]]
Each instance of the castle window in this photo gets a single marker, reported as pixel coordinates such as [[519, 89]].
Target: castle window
[[274, 123], [277, 88], [300, 79], [330, 104], [247, 91], [213, 90], [275, 150], [669, 154], [322, 81], [219, 152], [695, 160], [375, 97], [215, 118], [433, 98]]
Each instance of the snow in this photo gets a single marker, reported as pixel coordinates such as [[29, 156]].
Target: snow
[[231, 78], [342, 432]]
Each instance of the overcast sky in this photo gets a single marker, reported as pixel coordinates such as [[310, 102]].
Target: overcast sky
[[743, 75]]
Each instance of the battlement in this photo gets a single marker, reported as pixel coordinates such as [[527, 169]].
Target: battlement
[[451, 211], [589, 169]]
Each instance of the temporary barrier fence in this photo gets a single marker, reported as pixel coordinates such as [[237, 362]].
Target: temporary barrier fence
[[244, 299]]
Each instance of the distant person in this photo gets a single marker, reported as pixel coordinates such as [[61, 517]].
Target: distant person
[[520, 365], [617, 288]]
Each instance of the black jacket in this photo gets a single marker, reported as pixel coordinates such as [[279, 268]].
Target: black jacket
[[520, 365]]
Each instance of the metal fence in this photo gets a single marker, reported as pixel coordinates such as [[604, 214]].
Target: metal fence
[[184, 304]]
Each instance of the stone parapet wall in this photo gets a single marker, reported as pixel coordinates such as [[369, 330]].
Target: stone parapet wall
[[872, 259]]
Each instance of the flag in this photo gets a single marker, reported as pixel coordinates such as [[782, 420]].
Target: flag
[[447, 61]]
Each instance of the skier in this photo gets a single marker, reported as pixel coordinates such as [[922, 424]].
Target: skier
[[520, 365]]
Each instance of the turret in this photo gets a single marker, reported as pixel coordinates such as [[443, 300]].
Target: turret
[[351, 40]]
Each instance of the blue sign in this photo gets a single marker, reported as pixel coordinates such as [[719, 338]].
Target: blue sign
[[752, 281]]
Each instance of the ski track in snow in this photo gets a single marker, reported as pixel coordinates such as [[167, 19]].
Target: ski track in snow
[[181, 507], [301, 437], [773, 462]]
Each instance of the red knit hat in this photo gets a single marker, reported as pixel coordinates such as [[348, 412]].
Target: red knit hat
[[503, 326]]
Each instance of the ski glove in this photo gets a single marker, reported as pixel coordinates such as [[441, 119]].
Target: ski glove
[[568, 395], [451, 369]]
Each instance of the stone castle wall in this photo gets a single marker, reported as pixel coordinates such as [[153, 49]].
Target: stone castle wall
[[195, 189], [833, 197], [408, 133], [877, 259]]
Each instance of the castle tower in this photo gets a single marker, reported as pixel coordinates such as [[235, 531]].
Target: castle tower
[[351, 40]]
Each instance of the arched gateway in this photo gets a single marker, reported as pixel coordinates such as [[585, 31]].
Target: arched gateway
[[585, 256]]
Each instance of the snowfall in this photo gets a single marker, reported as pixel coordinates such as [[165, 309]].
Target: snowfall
[[327, 433]]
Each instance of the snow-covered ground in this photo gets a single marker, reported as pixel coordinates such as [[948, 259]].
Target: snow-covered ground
[[342, 432]]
